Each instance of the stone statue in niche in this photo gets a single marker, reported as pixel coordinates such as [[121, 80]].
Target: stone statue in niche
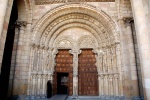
[[104, 62]]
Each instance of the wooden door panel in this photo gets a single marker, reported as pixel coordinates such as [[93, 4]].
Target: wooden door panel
[[88, 81], [64, 64]]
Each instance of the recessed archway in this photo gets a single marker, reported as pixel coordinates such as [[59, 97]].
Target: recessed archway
[[103, 39]]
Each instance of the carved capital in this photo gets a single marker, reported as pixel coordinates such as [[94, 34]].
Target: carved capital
[[118, 47], [32, 46], [55, 51], [39, 76], [21, 24], [75, 51], [100, 75], [42, 46], [46, 48], [98, 51], [116, 76], [34, 76], [128, 21]]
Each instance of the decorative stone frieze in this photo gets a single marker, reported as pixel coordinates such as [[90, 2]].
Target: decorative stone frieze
[[39, 2]]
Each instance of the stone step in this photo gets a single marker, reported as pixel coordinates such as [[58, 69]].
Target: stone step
[[59, 97]]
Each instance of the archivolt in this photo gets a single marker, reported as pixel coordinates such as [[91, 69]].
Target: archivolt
[[89, 16], [69, 25]]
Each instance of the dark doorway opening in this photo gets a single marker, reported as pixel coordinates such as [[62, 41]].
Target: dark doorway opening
[[62, 83], [6, 62]]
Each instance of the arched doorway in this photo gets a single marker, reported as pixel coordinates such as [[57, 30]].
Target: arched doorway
[[78, 30]]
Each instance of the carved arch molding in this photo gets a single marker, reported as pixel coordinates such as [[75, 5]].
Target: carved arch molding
[[99, 32]]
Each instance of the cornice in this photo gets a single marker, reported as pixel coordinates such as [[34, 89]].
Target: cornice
[[43, 2]]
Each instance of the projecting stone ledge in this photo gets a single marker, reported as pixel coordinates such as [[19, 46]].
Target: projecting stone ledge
[[43, 2]]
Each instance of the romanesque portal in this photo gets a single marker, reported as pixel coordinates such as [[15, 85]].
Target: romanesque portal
[[84, 44]]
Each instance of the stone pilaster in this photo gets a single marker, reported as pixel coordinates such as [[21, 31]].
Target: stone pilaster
[[132, 67], [21, 30], [143, 38], [44, 85], [33, 85], [101, 85], [21, 25]]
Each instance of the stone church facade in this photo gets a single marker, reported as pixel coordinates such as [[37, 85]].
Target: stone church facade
[[102, 46]]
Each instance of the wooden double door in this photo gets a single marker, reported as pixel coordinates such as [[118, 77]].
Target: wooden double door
[[88, 80], [87, 72]]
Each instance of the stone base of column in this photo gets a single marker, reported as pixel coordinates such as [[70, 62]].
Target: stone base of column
[[112, 98], [38, 97], [35, 97], [43, 96], [137, 98], [27, 97]]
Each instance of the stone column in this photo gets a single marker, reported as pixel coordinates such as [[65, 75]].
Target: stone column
[[143, 38], [33, 84], [101, 84], [99, 65], [44, 59], [3, 7], [38, 84], [38, 58], [75, 53], [119, 65], [116, 85], [132, 60]]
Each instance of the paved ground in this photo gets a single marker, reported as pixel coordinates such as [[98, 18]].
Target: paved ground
[[64, 97], [80, 98], [23, 97]]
